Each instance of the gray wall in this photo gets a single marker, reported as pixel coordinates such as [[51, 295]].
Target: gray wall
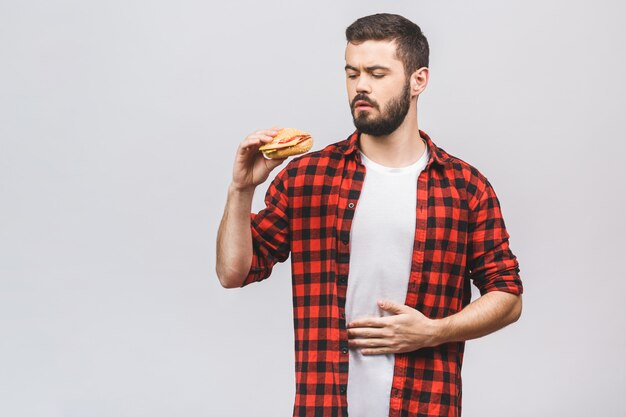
[[119, 121]]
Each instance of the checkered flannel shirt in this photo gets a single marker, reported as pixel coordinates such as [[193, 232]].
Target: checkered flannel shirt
[[460, 237]]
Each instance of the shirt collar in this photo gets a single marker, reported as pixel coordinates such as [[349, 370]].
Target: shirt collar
[[437, 155]]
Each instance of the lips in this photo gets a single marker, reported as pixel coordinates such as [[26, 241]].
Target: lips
[[362, 103]]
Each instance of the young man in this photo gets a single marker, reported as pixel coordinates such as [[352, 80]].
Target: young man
[[386, 233]]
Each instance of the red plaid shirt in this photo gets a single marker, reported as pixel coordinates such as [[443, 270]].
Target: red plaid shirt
[[460, 237]]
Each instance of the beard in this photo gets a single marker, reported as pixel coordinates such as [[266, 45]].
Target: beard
[[389, 120]]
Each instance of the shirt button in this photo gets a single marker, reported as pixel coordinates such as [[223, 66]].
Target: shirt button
[[345, 242], [342, 389], [344, 350], [342, 280], [351, 205]]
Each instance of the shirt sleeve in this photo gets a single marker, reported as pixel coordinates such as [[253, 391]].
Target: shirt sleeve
[[270, 231], [492, 265]]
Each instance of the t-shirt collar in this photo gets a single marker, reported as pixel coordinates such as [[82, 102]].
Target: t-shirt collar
[[437, 155]]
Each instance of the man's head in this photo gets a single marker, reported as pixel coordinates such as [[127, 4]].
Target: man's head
[[412, 46], [386, 67]]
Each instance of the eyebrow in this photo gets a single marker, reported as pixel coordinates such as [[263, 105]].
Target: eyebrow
[[369, 69]]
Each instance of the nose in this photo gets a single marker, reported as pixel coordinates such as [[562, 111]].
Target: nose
[[363, 86]]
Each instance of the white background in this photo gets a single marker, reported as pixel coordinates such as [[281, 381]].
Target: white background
[[119, 121]]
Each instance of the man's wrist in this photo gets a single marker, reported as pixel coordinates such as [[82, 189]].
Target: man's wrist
[[233, 188], [442, 332]]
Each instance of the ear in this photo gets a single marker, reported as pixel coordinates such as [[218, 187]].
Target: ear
[[419, 81]]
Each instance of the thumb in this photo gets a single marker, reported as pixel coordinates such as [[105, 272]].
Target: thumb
[[273, 163], [392, 307]]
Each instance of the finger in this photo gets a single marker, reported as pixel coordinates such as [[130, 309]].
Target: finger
[[260, 136], [393, 307], [269, 132], [367, 322], [247, 144], [266, 138], [262, 139], [376, 351], [368, 343], [274, 162], [366, 332], [254, 142]]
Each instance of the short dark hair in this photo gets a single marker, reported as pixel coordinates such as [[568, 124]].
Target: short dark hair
[[412, 45]]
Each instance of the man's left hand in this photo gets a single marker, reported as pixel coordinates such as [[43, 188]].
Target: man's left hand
[[407, 330]]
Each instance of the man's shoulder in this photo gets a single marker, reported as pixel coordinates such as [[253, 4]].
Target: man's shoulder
[[463, 175], [330, 155], [460, 166]]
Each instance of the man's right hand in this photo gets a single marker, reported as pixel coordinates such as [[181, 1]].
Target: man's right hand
[[251, 168]]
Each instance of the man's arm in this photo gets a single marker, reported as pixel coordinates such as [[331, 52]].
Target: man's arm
[[408, 329], [234, 237], [487, 314]]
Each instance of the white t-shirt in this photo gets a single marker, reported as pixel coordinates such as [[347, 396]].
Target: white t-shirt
[[382, 234]]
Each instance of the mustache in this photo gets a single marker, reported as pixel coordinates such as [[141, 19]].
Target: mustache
[[363, 97]]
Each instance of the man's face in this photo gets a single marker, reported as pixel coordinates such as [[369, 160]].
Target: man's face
[[378, 90]]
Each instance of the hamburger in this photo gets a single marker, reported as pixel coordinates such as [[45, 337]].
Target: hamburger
[[286, 143]]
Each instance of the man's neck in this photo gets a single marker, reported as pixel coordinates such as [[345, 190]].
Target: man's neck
[[400, 148]]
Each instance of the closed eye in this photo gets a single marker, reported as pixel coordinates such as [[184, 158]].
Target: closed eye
[[378, 76]]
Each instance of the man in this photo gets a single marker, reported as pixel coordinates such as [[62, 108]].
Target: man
[[386, 233]]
